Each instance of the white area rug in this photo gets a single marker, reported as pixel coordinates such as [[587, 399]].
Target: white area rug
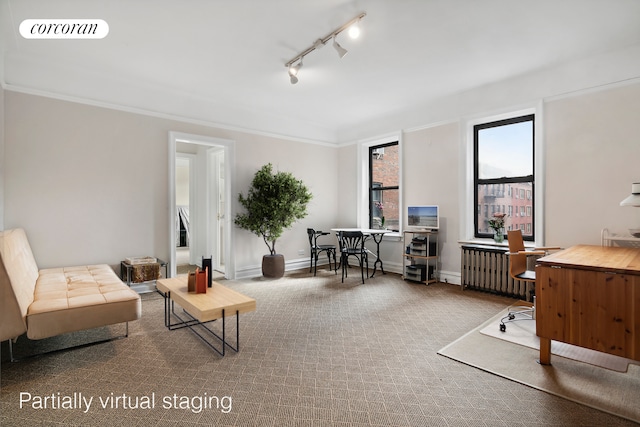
[[607, 390], [523, 332]]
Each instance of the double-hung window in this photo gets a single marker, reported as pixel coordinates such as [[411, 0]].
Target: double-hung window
[[504, 175], [384, 186]]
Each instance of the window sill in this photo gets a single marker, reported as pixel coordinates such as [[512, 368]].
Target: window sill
[[393, 236], [491, 242]]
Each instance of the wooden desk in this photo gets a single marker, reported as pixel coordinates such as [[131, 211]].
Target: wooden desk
[[217, 303], [589, 296]]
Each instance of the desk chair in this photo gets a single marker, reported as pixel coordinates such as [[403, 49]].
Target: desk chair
[[317, 249], [352, 244], [518, 271]]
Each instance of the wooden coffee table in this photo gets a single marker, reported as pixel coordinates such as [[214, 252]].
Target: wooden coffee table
[[217, 303]]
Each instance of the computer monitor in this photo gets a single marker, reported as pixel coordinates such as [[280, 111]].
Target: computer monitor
[[423, 217]]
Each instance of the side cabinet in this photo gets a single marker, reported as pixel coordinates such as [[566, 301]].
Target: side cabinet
[[592, 309]]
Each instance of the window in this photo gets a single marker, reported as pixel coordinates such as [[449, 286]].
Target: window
[[384, 186], [504, 159]]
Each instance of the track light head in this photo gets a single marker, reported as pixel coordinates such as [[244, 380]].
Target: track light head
[[341, 51], [293, 69], [293, 72]]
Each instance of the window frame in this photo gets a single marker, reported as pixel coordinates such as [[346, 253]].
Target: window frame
[[362, 193], [371, 184], [487, 124]]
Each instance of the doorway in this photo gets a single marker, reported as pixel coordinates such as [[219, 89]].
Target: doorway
[[200, 170]]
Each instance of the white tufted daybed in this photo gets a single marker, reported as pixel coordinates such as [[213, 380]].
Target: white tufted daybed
[[53, 301]]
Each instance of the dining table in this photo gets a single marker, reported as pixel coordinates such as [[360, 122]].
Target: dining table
[[376, 235]]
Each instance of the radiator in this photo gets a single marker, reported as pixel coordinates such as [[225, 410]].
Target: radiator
[[486, 268]]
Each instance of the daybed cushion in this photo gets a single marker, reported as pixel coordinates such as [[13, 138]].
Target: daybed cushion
[[75, 298]]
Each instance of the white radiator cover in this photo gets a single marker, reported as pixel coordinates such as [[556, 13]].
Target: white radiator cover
[[486, 268]]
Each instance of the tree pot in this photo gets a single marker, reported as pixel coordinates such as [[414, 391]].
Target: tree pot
[[273, 266]]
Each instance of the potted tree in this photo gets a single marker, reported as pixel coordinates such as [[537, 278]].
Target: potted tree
[[273, 203]]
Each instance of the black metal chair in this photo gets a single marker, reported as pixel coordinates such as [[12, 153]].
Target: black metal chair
[[352, 244], [317, 249]]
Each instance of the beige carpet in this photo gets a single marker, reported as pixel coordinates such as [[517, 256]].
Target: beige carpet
[[600, 388], [316, 353]]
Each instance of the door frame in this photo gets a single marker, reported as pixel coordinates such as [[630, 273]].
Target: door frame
[[215, 158], [229, 159]]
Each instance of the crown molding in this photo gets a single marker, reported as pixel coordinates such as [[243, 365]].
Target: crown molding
[[161, 115]]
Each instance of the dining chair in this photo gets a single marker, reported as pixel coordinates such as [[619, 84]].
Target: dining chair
[[316, 249], [518, 260], [352, 244]]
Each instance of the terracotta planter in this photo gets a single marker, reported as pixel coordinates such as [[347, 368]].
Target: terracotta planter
[[273, 266]]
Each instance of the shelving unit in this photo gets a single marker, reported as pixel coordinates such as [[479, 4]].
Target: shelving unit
[[420, 256]]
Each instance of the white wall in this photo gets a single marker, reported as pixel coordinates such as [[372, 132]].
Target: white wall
[[316, 165], [431, 158], [347, 186], [592, 147], [90, 184], [592, 157], [2, 162], [86, 183]]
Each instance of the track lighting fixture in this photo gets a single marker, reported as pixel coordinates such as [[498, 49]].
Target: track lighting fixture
[[354, 31]]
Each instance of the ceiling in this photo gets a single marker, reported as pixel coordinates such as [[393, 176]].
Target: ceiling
[[222, 62]]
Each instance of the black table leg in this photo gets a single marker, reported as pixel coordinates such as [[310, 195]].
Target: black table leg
[[377, 237]]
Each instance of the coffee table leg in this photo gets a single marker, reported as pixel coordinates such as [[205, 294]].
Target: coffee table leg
[[169, 311], [224, 329], [224, 342]]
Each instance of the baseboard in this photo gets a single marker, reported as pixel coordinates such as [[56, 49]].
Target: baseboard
[[451, 277], [250, 272], [253, 271]]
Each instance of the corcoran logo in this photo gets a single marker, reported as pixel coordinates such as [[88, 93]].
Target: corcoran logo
[[64, 29]]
